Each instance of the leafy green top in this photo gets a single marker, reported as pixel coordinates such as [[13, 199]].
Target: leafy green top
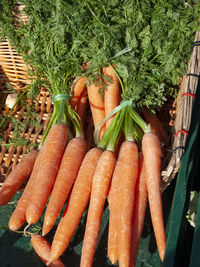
[[149, 42]]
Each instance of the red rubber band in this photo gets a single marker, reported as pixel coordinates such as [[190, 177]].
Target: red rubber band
[[181, 131], [190, 94]]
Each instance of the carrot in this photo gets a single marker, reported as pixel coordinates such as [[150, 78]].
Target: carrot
[[156, 125], [43, 248], [77, 91], [81, 106], [77, 203], [100, 187], [128, 161], [111, 94], [152, 164], [17, 177], [139, 210], [67, 204], [97, 106], [71, 162], [55, 145], [18, 217], [114, 215]]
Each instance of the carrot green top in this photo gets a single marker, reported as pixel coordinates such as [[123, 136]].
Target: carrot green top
[[148, 41]]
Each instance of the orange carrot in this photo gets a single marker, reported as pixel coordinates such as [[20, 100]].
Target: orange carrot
[[139, 210], [82, 104], [152, 163], [97, 105], [71, 162], [156, 125], [100, 187], [17, 177], [43, 248], [128, 161], [18, 217], [77, 91], [77, 203], [114, 215], [111, 94], [55, 145]]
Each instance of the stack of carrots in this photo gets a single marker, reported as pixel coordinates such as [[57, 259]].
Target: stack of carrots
[[123, 168]]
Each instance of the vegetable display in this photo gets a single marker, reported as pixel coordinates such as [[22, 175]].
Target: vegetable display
[[125, 58]]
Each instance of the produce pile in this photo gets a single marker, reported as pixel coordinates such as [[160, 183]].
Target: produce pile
[[126, 58]]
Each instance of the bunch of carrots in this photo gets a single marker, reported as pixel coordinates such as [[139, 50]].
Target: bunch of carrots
[[123, 168]]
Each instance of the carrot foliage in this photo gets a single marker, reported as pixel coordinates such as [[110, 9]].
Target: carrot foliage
[[149, 42]]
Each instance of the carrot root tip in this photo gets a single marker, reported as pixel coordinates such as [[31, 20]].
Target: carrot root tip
[[48, 262], [112, 259], [45, 230], [25, 229], [44, 233]]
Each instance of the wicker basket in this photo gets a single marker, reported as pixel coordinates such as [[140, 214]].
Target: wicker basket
[[14, 70]]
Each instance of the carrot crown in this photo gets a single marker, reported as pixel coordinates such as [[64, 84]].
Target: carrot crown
[[126, 119], [63, 113]]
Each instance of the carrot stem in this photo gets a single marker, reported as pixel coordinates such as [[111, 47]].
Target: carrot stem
[[108, 133], [138, 119], [128, 126], [116, 133]]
